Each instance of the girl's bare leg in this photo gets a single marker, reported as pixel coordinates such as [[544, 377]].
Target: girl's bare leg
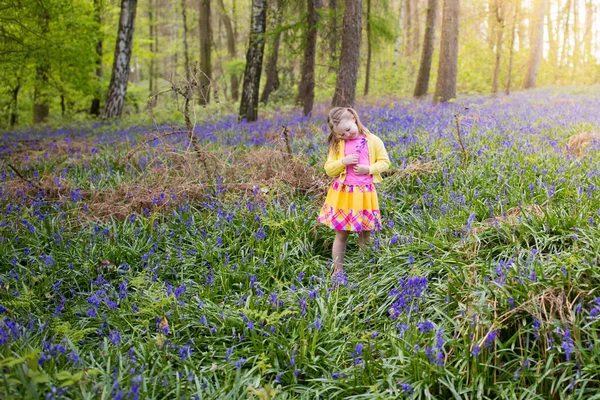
[[364, 239], [338, 250]]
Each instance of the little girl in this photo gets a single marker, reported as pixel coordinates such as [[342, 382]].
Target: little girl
[[356, 159]]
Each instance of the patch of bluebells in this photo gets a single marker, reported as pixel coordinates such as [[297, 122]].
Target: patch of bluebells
[[357, 353], [408, 295], [425, 327], [567, 343]]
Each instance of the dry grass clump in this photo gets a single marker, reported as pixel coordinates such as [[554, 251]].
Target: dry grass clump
[[25, 152], [415, 167], [579, 143], [161, 177], [511, 218]]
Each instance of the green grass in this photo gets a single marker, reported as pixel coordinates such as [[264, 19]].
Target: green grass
[[244, 282]]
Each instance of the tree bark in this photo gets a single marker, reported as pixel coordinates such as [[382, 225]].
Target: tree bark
[[186, 53], [512, 46], [445, 88], [151, 45], [499, 22], [564, 54], [333, 36], [416, 31], [553, 40], [254, 60], [95, 107], [205, 47], [491, 22], [120, 71], [345, 86], [422, 85], [14, 114], [537, 45], [588, 33], [231, 38], [41, 108], [398, 45], [306, 89], [408, 28], [369, 50], [576, 40], [272, 83]]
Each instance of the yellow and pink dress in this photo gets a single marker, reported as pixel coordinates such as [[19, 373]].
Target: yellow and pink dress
[[351, 204]]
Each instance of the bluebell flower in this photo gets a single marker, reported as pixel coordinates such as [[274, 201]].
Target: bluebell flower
[[406, 388], [567, 344], [229, 352], [115, 337], [240, 362], [317, 323], [490, 338], [185, 352], [425, 327], [440, 339]]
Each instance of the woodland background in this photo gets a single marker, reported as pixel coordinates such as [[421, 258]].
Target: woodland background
[[56, 56]]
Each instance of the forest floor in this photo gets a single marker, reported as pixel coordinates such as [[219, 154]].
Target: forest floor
[[135, 264]]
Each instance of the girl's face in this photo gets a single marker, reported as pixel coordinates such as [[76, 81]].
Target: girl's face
[[346, 129]]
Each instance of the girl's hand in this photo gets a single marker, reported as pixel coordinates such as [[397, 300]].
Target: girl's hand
[[352, 159], [361, 169]]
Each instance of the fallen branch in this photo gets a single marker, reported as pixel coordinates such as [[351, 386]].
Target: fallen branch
[[23, 178]]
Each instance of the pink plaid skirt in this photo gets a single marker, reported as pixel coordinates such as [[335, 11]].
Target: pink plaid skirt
[[352, 208]]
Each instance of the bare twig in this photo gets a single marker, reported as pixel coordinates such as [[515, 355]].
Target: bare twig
[[286, 138], [465, 152], [22, 177]]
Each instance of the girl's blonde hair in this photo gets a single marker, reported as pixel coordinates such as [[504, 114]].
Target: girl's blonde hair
[[334, 118]]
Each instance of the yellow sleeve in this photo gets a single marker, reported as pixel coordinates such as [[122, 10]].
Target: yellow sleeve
[[382, 160], [333, 166]]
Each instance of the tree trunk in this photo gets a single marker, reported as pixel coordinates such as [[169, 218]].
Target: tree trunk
[[587, 34], [522, 34], [254, 60], [120, 71], [553, 40], [272, 75], [422, 85], [401, 30], [306, 90], [564, 55], [186, 53], [345, 86], [231, 37], [576, 40], [95, 107], [14, 115], [151, 44], [369, 50], [41, 109], [499, 23], [205, 45], [416, 31], [445, 88], [333, 36], [537, 44], [512, 46], [408, 28], [491, 22]]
